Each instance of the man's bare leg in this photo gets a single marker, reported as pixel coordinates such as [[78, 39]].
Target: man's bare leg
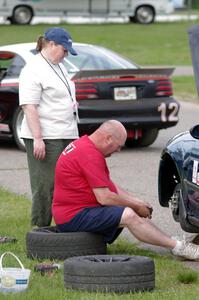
[[145, 231]]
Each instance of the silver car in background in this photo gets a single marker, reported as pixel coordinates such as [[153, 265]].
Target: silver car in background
[[140, 11]]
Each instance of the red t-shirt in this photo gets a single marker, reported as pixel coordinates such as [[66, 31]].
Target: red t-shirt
[[80, 168]]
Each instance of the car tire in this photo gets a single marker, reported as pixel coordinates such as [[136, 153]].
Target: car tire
[[109, 273], [195, 240], [49, 243], [16, 128], [178, 212], [175, 210], [21, 15], [182, 216], [144, 15], [148, 137]]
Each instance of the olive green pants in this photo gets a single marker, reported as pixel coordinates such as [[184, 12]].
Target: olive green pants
[[41, 174]]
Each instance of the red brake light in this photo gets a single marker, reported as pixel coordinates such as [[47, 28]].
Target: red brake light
[[86, 90], [6, 55], [164, 88]]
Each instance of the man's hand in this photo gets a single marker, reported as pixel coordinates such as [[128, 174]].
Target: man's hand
[[39, 149], [144, 210], [105, 197]]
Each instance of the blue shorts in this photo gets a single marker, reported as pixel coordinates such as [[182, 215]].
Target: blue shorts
[[101, 219]]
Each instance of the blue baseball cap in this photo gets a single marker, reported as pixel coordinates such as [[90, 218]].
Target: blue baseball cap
[[61, 37]]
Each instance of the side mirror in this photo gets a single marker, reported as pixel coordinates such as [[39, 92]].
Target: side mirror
[[194, 131]]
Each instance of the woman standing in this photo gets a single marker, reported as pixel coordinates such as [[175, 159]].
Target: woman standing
[[47, 97]]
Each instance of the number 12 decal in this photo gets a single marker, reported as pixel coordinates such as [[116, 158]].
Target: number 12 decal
[[172, 114]]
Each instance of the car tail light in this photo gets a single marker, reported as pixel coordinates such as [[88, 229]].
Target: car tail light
[[164, 88], [86, 90], [134, 133]]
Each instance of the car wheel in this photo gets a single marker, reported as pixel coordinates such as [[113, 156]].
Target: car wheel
[[180, 211], [195, 240], [16, 128], [48, 242], [174, 202], [148, 137], [144, 15], [109, 273], [21, 15]]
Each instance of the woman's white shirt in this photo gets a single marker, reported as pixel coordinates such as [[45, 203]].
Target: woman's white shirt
[[40, 85]]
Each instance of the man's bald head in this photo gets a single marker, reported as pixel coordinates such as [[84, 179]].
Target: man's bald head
[[115, 128], [109, 137]]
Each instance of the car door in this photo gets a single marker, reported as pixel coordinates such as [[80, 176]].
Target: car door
[[100, 7], [109, 6], [191, 183], [2, 3], [76, 6], [48, 5], [119, 5], [5, 6], [61, 6]]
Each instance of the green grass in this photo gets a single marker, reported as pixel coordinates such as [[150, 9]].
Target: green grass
[[155, 44], [188, 277], [14, 216]]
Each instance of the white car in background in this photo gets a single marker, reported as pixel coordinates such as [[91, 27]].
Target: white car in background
[[140, 11]]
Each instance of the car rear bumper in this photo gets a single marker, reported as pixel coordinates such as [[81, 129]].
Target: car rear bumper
[[135, 114], [143, 113]]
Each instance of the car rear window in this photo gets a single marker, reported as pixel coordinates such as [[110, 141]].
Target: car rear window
[[97, 58], [16, 65]]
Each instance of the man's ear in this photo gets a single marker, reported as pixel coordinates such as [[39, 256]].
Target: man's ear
[[108, 139]]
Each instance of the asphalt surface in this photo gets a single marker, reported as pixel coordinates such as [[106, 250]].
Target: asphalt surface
[[183, 71], [178, 70]]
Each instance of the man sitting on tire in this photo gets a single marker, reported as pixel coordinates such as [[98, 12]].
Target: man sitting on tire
[[86, 199]]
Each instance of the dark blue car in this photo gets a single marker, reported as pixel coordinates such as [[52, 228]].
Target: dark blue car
[[179, 179], [179, 164]]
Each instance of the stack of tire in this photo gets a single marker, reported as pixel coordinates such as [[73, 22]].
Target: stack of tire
[[86, 265]]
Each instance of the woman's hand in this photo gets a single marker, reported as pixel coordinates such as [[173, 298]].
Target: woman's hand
[[33, 121], [39, 150]]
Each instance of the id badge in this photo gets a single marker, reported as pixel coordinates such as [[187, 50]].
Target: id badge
[[75, 111]]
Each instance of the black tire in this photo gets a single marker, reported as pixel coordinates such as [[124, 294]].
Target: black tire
[[176, 200], [196, 240], [48, 242], [16, 128], [111, 273], [144, 15], [181, 214], [21, 15], [148, 137], [178, 212]]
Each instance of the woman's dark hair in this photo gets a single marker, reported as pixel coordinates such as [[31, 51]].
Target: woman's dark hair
[[41, 43]]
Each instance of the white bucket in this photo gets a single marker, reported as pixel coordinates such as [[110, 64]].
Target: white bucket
[[13, 280]]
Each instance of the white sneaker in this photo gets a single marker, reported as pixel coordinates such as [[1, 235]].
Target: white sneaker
[[188, 250]]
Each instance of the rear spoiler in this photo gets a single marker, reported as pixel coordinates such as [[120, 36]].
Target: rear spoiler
[[148, 72]]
